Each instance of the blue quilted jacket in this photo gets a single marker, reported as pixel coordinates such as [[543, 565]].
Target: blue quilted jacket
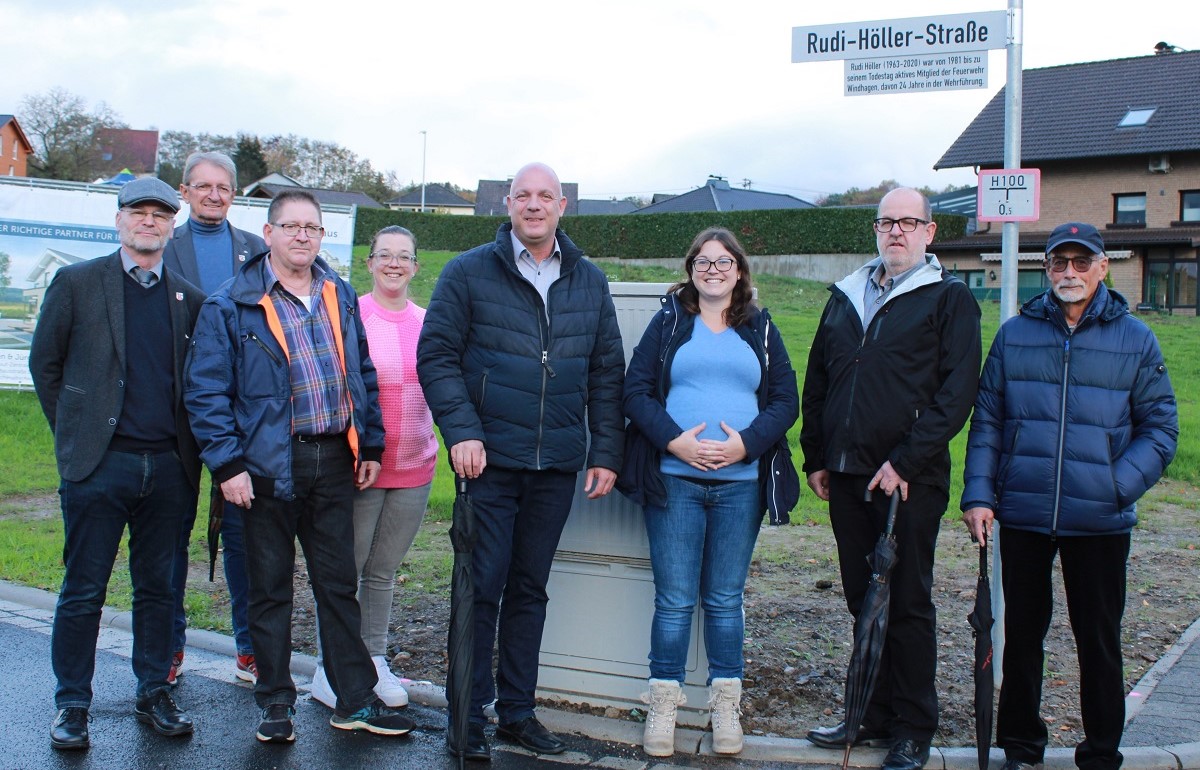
[[1070, 427]]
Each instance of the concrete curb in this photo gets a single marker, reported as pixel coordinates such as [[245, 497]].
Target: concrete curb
[[1184, 756], [1136, 700]]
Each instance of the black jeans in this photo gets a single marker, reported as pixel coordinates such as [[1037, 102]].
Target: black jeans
[[322, 517], [1093, 570], [904, 701], [150, 494], [520, 516]]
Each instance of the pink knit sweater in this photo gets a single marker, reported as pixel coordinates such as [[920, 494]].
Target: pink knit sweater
[[410, 447]]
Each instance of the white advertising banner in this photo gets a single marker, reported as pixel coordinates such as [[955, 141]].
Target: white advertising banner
[[45, 225]]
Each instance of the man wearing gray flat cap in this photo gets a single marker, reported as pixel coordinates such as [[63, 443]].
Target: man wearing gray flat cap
[[107, 361]]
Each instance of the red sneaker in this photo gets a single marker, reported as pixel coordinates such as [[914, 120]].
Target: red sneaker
[[176, 666], [246, 669]]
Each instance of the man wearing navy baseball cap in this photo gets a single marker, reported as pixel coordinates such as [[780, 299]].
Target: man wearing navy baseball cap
[[1074, 421]]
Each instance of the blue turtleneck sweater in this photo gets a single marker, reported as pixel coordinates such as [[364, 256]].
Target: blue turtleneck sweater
[[214, 253]]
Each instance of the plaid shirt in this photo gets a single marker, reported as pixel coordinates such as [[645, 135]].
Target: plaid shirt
[[320, 400]]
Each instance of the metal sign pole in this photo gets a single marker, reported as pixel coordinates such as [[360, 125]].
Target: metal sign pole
[[1009, 248]]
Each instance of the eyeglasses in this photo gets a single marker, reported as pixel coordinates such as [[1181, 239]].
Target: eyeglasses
[[907, 224], [1059, 264], [204, 189], [159, 217], [703, 265], [292, 229], [403, 260]]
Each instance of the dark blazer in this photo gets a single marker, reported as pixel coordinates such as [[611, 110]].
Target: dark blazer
[[180, 256], [77, 360]]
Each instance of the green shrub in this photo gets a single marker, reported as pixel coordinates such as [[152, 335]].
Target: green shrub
[[631, 236]]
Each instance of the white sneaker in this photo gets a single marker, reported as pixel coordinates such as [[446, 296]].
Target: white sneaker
[[389, 689], [320, 689]]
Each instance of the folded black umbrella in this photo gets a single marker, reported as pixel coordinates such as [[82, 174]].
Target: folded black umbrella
[[461, 639], [216, 513], [981, 619], [870, 630]]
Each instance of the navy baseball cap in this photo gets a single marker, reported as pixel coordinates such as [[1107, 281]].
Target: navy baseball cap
[[148, 189], [1076, 232]]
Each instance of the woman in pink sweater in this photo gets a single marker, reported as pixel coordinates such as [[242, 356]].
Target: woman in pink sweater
[[388, 514]]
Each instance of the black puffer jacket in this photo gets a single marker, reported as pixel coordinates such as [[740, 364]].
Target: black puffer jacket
[[902, 390], [494, 370]]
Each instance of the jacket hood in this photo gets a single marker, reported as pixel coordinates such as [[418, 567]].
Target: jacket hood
[[855, 284]]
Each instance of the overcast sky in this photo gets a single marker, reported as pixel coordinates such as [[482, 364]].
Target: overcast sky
[[624, 97]]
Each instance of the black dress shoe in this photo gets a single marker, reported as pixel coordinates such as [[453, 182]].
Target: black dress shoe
[[906, 754], [477, 749], [531, 734], [70, 729], [835, 737], [161, 713]]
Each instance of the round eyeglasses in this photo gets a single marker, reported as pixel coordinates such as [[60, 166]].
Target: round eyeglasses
[[704, 265], [403, 260]]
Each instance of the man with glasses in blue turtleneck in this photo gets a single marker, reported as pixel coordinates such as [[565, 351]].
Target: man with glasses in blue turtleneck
[[207, 250]]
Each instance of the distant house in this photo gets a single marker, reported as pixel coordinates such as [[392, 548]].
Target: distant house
[[1118, 145], [15, 148], [128, 148], [610, 207], [42, 272], [439, 199], [274, 178], [273, 184], [489, 197], [717, 195]]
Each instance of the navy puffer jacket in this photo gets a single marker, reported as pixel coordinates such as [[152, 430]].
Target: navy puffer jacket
[[1070, 459], [493, 369]]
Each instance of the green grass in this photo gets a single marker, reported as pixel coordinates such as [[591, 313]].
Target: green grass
[[26, 446], [30, 551]]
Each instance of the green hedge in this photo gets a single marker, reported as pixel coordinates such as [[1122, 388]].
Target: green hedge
[[785, 231]]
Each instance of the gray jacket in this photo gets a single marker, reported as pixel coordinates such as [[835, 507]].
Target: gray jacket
[[180, 256], [77, 360]]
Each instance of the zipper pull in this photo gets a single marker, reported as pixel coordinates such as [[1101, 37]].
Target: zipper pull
[[546, 364]]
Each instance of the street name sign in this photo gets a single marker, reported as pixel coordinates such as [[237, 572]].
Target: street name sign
[[1009, 195], [925, 53], [893, 38]]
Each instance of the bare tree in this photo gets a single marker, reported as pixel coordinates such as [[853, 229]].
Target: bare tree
[[63, 133]]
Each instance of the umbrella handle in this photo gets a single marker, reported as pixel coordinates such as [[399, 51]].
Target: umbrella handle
[[460, 484], [892, 508]]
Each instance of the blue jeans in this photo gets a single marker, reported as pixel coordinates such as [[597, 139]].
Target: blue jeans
[[234, 553], [519, 518], [321, 516], [701, 543], [150, 494]]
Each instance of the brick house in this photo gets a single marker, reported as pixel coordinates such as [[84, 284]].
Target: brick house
[[14, 147], [1118, 145]]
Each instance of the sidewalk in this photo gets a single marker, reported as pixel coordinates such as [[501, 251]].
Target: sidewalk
[[1162, 712]]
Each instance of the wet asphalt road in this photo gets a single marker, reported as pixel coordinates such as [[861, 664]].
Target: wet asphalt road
[[225, 717]]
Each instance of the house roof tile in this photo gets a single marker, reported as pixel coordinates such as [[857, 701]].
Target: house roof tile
[[1072, 111]]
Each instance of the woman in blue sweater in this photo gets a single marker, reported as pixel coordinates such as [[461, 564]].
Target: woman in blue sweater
[[710, 394]]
